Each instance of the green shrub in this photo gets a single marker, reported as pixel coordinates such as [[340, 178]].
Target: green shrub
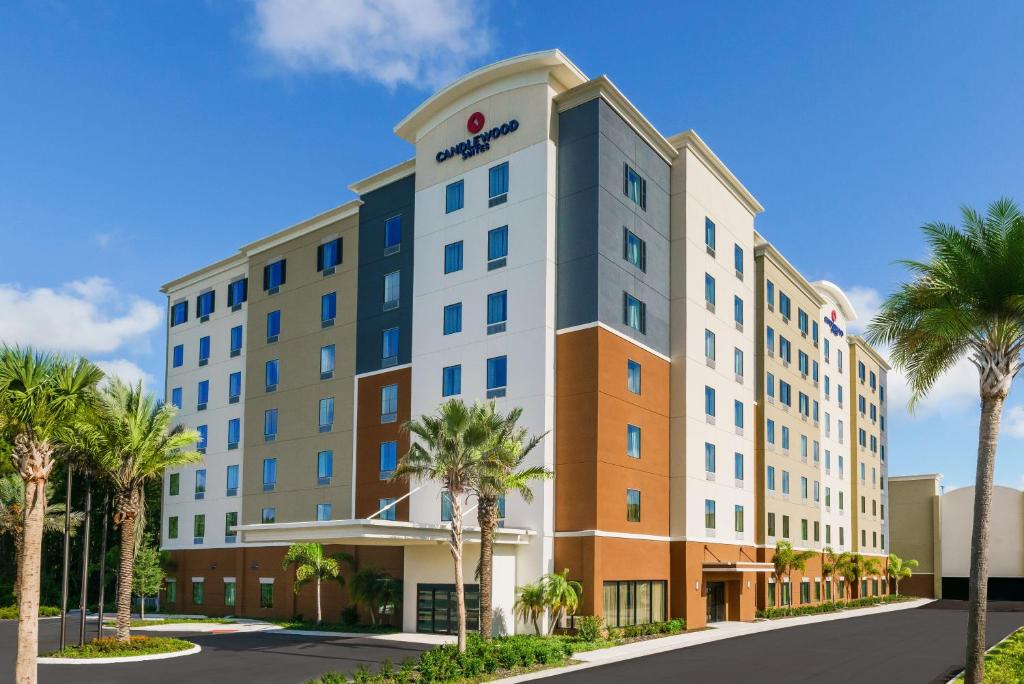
[[11, 612], [829, 606], [108, 647], [590, 628]]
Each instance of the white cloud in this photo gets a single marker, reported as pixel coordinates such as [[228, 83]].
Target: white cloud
[[1013, 424], [85, 316], [126, 371], [866, 302], [424, 43]]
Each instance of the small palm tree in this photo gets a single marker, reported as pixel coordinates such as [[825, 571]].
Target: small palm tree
[[446, 450], [831, 564], [562, 596], [135, 442], [531, 603], [12, 516], [501, 471], [900, 569], [786, 560], [966, 300], [857, 567], [312, 565], [38, 394], [375, 589]]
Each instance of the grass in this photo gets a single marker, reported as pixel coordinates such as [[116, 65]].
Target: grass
[[175, 621], [11, 612], [1004, 662], [776, 612], [335, 627], [112, 648]]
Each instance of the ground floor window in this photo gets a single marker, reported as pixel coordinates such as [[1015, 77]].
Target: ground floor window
[[842, 587], [636, 602], [874, 587], [437, 610], [266, 595], [828, 590], [229, 593], [805, 592], [864, 587], [787, 594], [771, 593], [172, 591], [817, 590], [197, 593]]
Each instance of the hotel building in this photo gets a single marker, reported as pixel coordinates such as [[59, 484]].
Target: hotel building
[[546, 248]]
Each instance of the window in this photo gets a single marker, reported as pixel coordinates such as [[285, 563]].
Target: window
[[388, 459], [770, 429], [634, 250], [839, 359], [634, 187], [198, 528], [805, 585], [634, 313], [738, 414], [785, 351], [497, 312], [323, 511], [771, 478], [326, 414], [446, 506], [271, 375], [709, 457], [231, 480], [273, 326], [826, 350], [803, 488], [814, 372], [709, 234], [769, 386], [497, 370], [738, 260], [769, 340], [737, 465], [634, 602], [268, 516], [234, 387], [860, 371], [204, 350], [327, 362], [497, 184], [451, 380], [785, 438], [802, 361], [234, 432], [804, 405], [709, 401], [738, 517], [179, 313], [785, 482], [269, 474], [632, 441], [632, 505], [454, 196], [803, 446], [802, 321], [176, 397], [205, 305], [770, 294], [392, 234], [202, 395], [453, 318], [266, 594], [784, 305], [172, 527], [841, 501], [389, 403], [230, 521], [387, 509], [328, 309], [389, 347], [771, 533], [201, 444], [274, 276], [197, 593], [392, 290], [178, 356], [709, 345], [709, 290], [785, 526], [709, 514], [814, 332], [633, 376], [230, 593], [497, 247], [453, 257], [737, 362], [270, 425], [238, 293], [174, 484], [737, 311], [328, 255], [785, 393]]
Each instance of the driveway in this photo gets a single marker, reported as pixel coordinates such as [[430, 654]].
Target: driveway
[[225, 658], [924, 645]]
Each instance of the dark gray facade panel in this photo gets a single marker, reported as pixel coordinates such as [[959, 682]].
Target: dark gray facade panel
[[394, 199]]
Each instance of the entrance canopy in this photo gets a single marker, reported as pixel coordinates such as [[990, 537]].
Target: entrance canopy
[[738, 566], [371, 532]]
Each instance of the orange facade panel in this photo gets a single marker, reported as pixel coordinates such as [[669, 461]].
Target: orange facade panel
[[371, 433]]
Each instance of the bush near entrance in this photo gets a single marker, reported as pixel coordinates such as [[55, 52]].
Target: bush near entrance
[[830, 607], [112, 648], [1004, 663]]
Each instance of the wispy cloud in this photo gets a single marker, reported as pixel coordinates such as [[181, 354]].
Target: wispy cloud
[[423, 43], [86, 316], [867, 302], [126, 371], [1013, 424]]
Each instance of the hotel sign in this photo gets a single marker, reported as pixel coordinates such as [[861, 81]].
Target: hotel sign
[[481, 140], [831, 323]]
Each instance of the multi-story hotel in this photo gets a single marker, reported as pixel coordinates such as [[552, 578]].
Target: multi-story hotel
[[546, 248]]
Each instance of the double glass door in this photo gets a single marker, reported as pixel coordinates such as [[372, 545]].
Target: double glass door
[[437, 611], [716, 601]]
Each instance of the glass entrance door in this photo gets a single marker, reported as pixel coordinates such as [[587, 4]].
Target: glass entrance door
[[437, 611], [716, 601]]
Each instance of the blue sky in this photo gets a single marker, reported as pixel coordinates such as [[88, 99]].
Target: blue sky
[[143, 140]]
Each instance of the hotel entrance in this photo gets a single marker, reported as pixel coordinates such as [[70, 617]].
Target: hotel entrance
[[437, 611], [716, 601]]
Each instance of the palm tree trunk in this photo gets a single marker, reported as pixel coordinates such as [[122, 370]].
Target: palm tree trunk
[[486, 511], [319, 618], [103, 565], [28, 594], [988, 436], [19, 546], [124, 577], [456, 549]]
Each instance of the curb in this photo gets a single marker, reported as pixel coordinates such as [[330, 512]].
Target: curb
[[196, 648]]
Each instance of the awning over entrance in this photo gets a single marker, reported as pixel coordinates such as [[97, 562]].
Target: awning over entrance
[[371, 532], [738, 566]]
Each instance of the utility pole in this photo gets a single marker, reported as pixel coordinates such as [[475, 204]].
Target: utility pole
[[67, 552], [85, 560], [103, 563]]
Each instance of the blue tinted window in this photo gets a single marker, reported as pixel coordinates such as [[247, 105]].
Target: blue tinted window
[[738, 465], [709, 233], [634, 250], [327, 359], [709, 289], [709, 400], [633, 441], [178, 355], [634, 313], [497, 307], [738, 258], [738, 413], [392, 232], [201, 445], [236, 338], [269, 471], [234, 430], [238, 292], [325, 465], [179, 313], [389, 345], [446, 506], [392, 290], [203, 392], [273, 324], [388, 459], [232, 477], [451, 381], [270, 423], [633, 376], [453, 257], [387, 513], [328, 255], [497, 243], [235, 385], [271, 370], [497, 370], [453, 318], [453, 197], [205, 304], [328, 306], [634, 186], [326, 412], [497, 180], [176, 397], [274, 275], [204, 348]]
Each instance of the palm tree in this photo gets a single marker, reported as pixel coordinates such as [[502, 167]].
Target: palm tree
[[38, 393], [531, 603], [376, 589], [786, 560], [966, 300], [831, 565], [447, 451], [561, 596], [136, 442], [312, 564], [12, 516], [501, 472], [900, 569], [857, 567]]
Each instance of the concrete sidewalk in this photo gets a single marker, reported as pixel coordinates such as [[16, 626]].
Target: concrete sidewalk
[[715, 632]]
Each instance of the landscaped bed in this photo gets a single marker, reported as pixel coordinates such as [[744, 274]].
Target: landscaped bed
[[830, 607], [11, 612], [1004, 662], [112, 648], [177, 620], [335, 627]]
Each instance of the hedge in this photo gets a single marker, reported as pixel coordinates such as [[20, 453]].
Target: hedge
[[11, 612], [829, 607], [109, 647]]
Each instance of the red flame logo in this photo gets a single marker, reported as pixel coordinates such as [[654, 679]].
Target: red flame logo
[[475, 123]]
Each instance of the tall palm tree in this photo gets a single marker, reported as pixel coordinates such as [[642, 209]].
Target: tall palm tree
[[562, 596], [38, 393], [786, 560], [831, 564], [447, 450], [312, 564], [530, 604], [12, 516], [965, 300], [857, 567], [501, 471], [900, 569], [136, 442]]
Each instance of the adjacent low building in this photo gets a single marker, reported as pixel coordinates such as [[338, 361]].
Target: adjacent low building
[[546, 247]]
